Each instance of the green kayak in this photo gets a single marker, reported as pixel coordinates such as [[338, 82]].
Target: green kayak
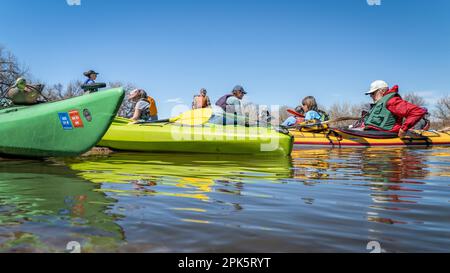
[[65, 128], [207, 138]]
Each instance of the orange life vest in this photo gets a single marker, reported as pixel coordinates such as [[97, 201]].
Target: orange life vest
[[153, 111], [200, 102]]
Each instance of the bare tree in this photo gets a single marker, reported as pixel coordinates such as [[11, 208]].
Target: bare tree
[[283, 114], [10, 70], [346, 109], [54, 92], [58, 92], [442, 111], [127, 108], [415, 99]]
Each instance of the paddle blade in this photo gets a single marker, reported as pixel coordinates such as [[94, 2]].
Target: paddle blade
[[194, 117], [295, 113]]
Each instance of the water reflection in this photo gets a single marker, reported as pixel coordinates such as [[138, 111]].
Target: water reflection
[[393, 177], [44, 206], [320, 200], [185, 176]]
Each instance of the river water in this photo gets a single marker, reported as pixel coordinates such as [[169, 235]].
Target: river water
[[323, 200]]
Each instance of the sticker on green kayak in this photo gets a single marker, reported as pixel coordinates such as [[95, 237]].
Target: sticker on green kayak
[[87, 115], [65, 121], [76, 119]]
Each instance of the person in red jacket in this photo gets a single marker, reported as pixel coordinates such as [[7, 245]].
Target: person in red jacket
[[390, 112]]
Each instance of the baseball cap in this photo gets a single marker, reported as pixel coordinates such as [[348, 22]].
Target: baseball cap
[[239, 88], [376, 85]]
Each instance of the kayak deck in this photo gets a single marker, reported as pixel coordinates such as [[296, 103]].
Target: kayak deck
[[209, 138], [353, 138]]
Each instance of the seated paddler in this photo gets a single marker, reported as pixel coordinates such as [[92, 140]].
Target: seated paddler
[[145, 108], [389, 112], [22, 93]]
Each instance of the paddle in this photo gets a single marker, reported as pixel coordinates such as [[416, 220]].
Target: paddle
[[306, 124], [295, 113], [340, 119], [190, 118]]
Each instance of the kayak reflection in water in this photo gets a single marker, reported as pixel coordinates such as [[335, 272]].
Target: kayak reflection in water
[[40, 195]]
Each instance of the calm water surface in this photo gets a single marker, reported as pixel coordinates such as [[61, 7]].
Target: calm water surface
[[324, 200]]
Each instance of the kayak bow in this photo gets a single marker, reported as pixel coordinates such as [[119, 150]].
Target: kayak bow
[[65, 128]]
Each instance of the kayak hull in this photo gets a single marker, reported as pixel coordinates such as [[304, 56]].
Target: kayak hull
[[338, 138], [65, 128], [210, 139]]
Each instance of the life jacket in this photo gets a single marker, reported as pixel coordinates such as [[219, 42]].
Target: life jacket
[[152, 109], [323, 115], [299, 120], [28, 96], [89, 81], [379, 116], [222, 102], [200, 102]]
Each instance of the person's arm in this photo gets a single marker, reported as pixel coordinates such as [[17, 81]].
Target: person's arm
[[405, 110], [138, 111], [137, 114], [208, 102], [289, 122]]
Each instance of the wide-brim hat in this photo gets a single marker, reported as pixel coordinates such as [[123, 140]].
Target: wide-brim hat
[[90, 72]]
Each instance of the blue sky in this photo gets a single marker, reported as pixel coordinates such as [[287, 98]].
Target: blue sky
[[280, 50]]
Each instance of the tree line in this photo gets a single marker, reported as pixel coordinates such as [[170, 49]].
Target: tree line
[[11, 69]]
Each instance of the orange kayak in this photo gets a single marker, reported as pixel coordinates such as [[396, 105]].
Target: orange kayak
[[354, 138]]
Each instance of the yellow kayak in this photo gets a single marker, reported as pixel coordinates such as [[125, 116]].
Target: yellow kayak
[[208, 138], [355, 138]]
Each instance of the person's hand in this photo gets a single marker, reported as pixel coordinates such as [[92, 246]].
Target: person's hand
[[401, 134]]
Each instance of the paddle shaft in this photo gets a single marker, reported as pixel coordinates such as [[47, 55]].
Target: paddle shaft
[[340, 119], [156, 121], [326, 122]]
